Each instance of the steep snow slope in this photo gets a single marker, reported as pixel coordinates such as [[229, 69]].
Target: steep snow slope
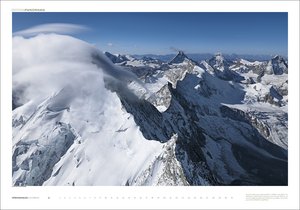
[[261, 91], [81, 120], [231, 141], [70, 129], [216, 143], [235, 117]]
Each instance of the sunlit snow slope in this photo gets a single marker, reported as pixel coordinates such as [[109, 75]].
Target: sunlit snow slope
[[68, 128], [84, 118]]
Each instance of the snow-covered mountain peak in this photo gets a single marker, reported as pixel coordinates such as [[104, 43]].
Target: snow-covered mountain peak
[[197, 124], [181, 53], [219, 66], [179, 58], [277, 65], [219, 57], [118, 58], [277, 57], [218, 62]]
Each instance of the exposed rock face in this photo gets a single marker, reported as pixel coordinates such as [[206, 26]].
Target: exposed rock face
[[277, 66], [221, 69], [172, 172], [188, 119], [34, 158], [116, 58], [239, 115], [161, 98], [179, 58], [216, 128]]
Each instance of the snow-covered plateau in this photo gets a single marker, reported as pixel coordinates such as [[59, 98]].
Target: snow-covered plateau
[[83, 117]]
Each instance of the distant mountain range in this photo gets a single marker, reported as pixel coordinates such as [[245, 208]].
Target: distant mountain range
[[84, 118], [204, 56]]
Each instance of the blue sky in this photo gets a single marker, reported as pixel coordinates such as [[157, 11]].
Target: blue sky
[[159, 33]]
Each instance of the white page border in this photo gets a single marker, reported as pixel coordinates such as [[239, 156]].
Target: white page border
[[148, 197]]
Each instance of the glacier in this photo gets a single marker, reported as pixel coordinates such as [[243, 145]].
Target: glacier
[[83, 117]]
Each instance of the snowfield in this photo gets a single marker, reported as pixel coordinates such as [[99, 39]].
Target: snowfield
[[81, 117], [86, 136]]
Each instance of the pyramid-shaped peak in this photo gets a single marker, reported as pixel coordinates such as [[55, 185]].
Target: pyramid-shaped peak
[[181, 53], [179, 58]]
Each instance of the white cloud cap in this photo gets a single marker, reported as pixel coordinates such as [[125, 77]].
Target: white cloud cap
[[59, 28]]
